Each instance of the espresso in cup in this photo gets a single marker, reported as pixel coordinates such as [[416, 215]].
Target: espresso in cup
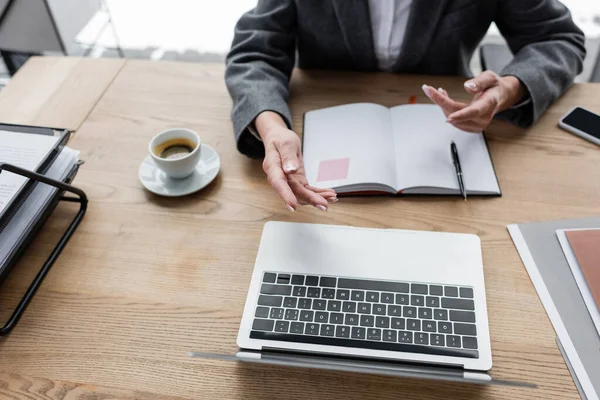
[[174, 148], [176, 152]]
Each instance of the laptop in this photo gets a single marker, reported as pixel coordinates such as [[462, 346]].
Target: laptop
[[379, 301]]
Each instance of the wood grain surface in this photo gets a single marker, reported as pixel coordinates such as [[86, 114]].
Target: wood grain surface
[[56, 91], [146, 279]]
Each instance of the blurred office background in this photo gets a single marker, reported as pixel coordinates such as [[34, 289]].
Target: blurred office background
[[184, 30]]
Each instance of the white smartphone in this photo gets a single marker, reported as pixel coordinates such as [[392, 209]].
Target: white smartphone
[[583, 123]]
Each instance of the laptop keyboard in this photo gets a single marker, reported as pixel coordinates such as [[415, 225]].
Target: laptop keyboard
[[410, 317]]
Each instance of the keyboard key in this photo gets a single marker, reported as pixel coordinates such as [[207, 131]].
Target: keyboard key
[[262, 312], [358, 333], [398, 323], [403, 299], [283, 279], [276, 313], [282, 326], [290, 302], [291, 315], [307, 316], [336, 318], [327, 282], [421, 338], [367, 320], [342, 331], [394, 311], [462, 316], [405, 337], [271, 301], [382, 322], [469, 342], [410, 312], [314, 292], [436, 290], [429, 326], [342, 294], [396, 287], [349, 306], [452, 341], [311, 329], [389, 336], [451, 291], [417, 301], [373, 334], [334, 305], [425, 313], [297, 327], [299, 291], [432, 301], [418, 288], [445, 327], [321, 317], [312, 281], [351, 319], [379, 309], [328, 293], [464, 329], [269, 277], [263, 325], [319, 304], [364, 308], [436, 339], [413, 324], [440, 315], [466, 292], [284, 290], [373, 297], [327, 330], [458, 304], [297, 279], [305, 304], [358, 295], [387, 298]]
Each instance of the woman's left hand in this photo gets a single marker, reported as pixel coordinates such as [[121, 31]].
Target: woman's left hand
[[491, 94]]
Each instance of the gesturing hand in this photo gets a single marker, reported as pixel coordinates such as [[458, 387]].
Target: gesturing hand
[[491, 94], [284, 166]]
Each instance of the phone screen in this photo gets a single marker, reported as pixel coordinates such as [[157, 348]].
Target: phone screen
[[585, 121]]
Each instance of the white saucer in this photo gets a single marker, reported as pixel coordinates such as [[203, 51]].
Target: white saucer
[[157, 182]]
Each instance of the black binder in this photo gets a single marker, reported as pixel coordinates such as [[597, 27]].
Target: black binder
[[36, 178]]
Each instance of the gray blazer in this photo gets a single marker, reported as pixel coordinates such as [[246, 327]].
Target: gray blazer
[[441, 38]]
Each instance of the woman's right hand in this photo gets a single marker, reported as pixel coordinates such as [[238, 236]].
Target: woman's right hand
[[284, 166]]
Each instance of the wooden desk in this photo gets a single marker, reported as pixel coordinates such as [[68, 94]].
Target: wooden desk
[[145, 279]]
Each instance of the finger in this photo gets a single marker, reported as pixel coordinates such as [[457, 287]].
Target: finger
[[278, 181], [447, 104], [443, 92], [483, 107], [322, 192], [288, 152], [484, 81], [308, 196], [470, 127]]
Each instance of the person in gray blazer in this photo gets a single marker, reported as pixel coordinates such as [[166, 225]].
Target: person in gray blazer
[[436, 37]]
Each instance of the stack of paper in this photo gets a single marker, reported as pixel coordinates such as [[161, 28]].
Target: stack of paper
[[27, 151]]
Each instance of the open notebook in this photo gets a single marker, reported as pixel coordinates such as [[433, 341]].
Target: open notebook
[[369, 148]]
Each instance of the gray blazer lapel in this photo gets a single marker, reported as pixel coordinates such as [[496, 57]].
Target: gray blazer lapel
[[355, 21], [423, 19]]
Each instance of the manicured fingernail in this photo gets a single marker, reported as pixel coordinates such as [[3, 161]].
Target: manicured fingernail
[[471, 85], [289, 167], [292, 209], [425, 89], [322, 208], [333, 200], [441, 90]]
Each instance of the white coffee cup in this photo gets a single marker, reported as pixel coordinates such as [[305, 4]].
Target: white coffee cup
[[176, 152]]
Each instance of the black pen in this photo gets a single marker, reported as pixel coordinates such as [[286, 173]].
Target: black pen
[[459, 173]]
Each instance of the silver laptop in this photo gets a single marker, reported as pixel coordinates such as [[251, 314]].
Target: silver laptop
[[379, 301]]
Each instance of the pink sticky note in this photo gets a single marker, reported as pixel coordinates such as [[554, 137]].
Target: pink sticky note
[[332, 170]]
